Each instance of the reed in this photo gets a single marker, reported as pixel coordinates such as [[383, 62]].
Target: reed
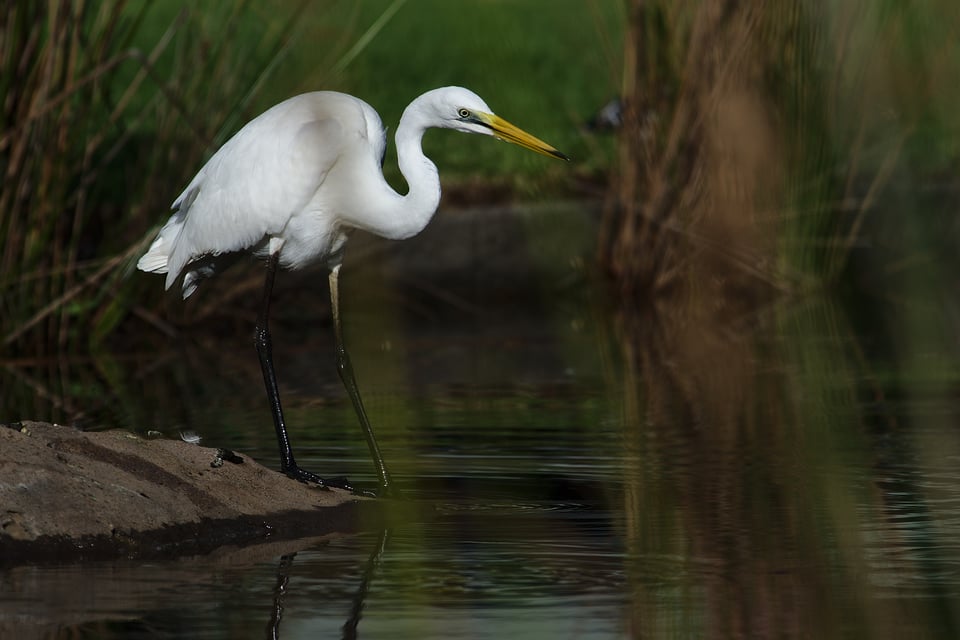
[[95, 133], [698, 133], [53, 61], [760, 138]]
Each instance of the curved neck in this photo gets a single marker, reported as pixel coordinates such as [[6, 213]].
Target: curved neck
[[423, 179], [389, 214]]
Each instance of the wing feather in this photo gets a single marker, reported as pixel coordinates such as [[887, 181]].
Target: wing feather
[[251, 187]]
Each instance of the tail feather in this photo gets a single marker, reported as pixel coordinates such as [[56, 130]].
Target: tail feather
[[157, 257], [173, 254]]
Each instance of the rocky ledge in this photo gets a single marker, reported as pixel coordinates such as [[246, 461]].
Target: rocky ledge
[[68, 495]]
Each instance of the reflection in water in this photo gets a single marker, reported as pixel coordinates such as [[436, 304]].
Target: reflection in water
[[656, 472], [356, 606], [749, 455], [350, 626], [483, 571], [283, 577]]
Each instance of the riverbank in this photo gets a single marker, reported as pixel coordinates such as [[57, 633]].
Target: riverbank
[[74, 495]]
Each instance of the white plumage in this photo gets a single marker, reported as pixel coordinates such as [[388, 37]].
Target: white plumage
[[301, 174], [293, 182], [269, 182]]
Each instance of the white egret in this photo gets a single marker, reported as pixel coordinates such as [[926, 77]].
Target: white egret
[[291, 185]]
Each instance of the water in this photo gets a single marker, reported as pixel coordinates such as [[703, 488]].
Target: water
[[572, 470]]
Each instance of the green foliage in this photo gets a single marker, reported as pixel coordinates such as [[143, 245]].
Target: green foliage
[[58, 122], [791, 125], [870, 109], [543, 64], [110, 107], [102, 125]]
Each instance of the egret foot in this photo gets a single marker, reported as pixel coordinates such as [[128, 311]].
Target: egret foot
[[338, 482], [379, 492], [308, 477]]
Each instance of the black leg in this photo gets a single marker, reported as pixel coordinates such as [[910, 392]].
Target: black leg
[[345, 368], [265, 350]]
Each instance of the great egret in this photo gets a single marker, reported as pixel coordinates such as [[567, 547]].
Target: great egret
[[291, 185]]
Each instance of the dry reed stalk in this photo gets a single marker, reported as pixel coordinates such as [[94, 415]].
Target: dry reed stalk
[[80, 176], [54, 56], [696, 178]]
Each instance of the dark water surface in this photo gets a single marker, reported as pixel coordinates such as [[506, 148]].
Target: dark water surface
[[573, 470]]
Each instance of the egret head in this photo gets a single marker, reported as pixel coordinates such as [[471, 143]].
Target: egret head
[[463, 110]]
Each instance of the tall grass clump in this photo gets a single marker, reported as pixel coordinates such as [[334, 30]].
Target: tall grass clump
[[760, 139], [695, 177], [107, 107], [57, 59]]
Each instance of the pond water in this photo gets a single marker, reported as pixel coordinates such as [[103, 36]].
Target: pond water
[[571, 469]]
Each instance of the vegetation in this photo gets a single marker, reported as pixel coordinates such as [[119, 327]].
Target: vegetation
[[97, 134], [761, 142], [109, 108], [769, 464], [763, 148]]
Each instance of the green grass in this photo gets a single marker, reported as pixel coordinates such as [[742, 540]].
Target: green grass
[[860, 94], [110, 108], [545, 65], [786, 127]]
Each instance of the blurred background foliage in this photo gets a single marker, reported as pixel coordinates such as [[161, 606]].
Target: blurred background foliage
[[765, 145], [763, 151], [777, 139], [110, 107]]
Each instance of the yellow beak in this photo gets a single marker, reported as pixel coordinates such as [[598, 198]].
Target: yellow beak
[[503, 130]]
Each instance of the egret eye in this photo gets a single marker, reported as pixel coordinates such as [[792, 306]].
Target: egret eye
[[463, 113]]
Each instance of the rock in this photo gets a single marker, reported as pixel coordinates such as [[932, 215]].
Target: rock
[[73, 495]]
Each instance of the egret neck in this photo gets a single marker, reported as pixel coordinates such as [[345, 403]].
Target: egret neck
[[399, 217]]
